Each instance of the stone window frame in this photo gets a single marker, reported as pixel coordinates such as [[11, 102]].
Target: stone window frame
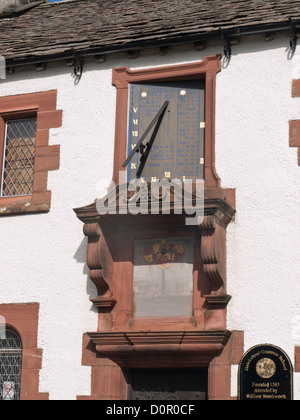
[[206, 70], [47, 158], [24, 319]]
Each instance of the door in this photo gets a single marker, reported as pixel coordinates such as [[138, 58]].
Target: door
[[168, 384]]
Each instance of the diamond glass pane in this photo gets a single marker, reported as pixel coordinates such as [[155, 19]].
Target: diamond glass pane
[[18, 165], [10, 366]]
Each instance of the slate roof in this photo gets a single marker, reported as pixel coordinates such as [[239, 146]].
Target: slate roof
[[111, 25]]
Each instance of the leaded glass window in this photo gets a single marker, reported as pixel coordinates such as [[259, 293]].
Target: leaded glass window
[[10, 366], [18, 157]]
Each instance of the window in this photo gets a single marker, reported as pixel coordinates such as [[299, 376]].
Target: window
[[25, 154], [18, 157], [10, 366], [20, 358]]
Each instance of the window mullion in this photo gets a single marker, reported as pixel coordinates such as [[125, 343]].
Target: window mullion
[[3, 160]]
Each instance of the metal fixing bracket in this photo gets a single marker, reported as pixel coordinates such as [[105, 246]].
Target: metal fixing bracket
[[78, 65], [293, 36]]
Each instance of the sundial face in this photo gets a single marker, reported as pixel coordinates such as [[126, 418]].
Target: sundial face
[[177, 149]]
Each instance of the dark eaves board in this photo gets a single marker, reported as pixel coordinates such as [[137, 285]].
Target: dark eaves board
[[112, 25]]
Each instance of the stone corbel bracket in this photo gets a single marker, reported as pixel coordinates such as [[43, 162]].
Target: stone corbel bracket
[[213, 252], [100, 263]]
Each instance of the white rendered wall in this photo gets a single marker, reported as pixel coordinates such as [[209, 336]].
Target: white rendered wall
[[42, 257], [254, 106]]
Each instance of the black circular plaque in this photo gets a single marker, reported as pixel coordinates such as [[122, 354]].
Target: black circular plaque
[[265, 373]]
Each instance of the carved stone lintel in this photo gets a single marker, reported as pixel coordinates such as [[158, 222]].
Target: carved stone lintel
[[100, 264], [157, 349]]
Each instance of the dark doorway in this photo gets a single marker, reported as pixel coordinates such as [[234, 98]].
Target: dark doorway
[[173, 384]]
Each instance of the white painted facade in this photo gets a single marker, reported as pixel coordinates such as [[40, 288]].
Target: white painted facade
[[253, 109]]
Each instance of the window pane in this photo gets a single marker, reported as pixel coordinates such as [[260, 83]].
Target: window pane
[[19, 152], [10, 366]]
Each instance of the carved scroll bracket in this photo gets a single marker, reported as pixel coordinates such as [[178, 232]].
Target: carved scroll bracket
[[100, 263], [213, 254]]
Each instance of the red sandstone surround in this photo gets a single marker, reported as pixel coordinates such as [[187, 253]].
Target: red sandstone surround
[[294, 137], [123, 341], [24, 318], [47, 158]]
